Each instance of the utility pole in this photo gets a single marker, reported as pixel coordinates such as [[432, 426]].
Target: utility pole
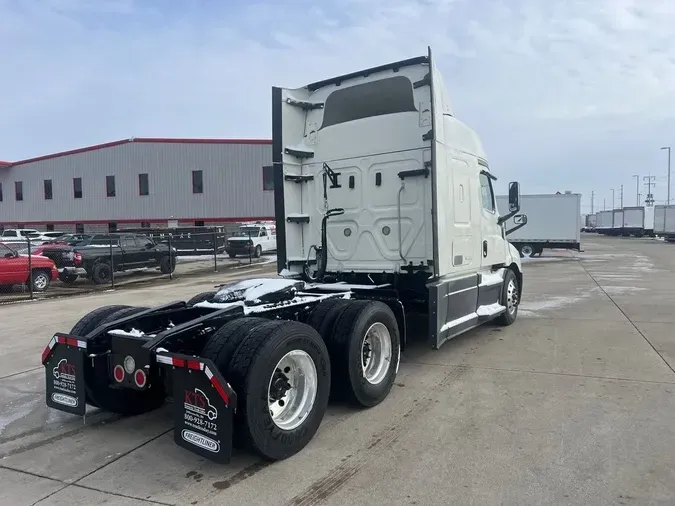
[[621, 196], [612, 199], [637, 189], [668, 199], [604, 204], [592, 202], [649, 199]]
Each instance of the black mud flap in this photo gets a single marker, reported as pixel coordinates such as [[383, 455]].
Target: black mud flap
[[63, 359], [204, 404]]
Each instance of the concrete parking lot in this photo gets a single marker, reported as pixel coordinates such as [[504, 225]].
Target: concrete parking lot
[[573, 404]]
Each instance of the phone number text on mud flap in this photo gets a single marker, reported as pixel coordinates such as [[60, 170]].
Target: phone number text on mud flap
[[200, 423], [66, 386]]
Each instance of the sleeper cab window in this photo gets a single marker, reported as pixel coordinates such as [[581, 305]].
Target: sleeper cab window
[[486, 196]]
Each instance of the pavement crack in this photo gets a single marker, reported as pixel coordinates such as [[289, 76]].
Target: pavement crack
[[626, 316], [19, 373]]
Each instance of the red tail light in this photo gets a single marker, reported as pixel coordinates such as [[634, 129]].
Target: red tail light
[[77, 258]]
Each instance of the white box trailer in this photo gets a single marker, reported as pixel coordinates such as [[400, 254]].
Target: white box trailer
[[604, 222], [649, 220], [590, 222], [553, 221], [617, 222], [633, 221], [664, 222]]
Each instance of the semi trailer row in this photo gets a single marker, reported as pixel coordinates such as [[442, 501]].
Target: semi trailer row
[[385, 210], [637, 221]]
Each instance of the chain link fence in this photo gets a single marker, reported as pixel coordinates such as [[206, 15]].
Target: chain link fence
[[86, 263]]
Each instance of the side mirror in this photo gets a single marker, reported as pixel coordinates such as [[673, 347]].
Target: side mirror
[[9, 255], [514, 197], [520, 219]]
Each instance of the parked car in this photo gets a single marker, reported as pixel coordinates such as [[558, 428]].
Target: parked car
[[20, 236], [253, 239], [129, 251], [18, 269], [68, 261], [51, 235]]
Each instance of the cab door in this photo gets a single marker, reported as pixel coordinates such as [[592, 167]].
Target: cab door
[[493, 243]]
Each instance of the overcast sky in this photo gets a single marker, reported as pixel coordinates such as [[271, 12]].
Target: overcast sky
[[566, 94]]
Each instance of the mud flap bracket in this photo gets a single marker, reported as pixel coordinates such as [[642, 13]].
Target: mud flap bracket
[[203, 406]]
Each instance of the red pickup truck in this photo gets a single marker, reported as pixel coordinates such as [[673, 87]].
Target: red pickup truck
[[14, 269]]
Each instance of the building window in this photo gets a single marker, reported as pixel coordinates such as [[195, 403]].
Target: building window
[[79, 228], [48, 189], [199, 223], [268, 177], [77, 189], [112, 227], [18, 190], [110, 186], [143, 184], [197, 181], [50, 227], [0, 192]]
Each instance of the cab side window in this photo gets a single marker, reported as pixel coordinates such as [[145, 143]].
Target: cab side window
[[263, 232], [486, 195]]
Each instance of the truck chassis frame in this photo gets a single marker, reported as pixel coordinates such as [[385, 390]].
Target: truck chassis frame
[[164, 345]]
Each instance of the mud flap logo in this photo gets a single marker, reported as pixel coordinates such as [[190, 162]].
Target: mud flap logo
[[200, 440], [64, 371], [66, 400], [198, 403]]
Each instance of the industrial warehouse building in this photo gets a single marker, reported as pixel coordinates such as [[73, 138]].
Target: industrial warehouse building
[[140, 182]]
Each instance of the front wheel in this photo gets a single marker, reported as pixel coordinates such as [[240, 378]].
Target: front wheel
[[281, 373], [258, 251], [510, 299], [40, 280]]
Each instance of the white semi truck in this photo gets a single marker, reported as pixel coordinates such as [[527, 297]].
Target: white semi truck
[[554, 222], [384, 209]]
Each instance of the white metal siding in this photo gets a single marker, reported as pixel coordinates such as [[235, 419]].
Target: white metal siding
[[633, 217], [232, 180]]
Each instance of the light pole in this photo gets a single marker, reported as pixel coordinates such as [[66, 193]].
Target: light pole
[[668, 199], [637, 189]]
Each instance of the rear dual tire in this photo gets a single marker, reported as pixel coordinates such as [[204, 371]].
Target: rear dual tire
[[281, 372], [364, 342]]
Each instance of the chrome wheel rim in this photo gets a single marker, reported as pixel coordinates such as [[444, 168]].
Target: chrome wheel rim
[[376, 353], [511, 297], [292, 389], [527, 251], [40, 281]]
